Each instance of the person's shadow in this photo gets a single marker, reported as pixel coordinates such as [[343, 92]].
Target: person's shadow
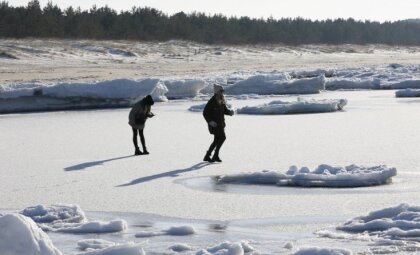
[[85, 165], [172, 173]]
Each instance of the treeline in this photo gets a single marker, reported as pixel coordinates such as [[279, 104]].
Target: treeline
[[149, 24]]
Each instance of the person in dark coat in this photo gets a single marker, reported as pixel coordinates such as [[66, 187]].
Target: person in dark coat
[[140, 112], [214, 113]]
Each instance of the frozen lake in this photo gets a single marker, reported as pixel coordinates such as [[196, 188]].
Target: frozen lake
[[85, 158]]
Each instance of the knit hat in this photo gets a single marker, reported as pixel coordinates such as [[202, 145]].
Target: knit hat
[[218, 88], [149, 100]]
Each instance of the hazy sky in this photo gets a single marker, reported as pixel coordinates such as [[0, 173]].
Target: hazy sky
[[379, 10]]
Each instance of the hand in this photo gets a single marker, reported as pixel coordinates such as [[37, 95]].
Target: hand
[[231, 112], [212, 124], [151, 115]]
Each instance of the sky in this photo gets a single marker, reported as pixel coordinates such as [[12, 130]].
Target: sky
[[375, 10]]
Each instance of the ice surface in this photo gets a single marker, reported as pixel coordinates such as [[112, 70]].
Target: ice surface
[[20, 235], [323, 176], [295, 107], [408, 93], [322, 251], [69, 219], [277, 84], [172, 231]]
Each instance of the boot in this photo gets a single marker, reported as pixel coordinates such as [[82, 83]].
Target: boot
[[145, 152], [207, 157], [216, 158], [138, 152]]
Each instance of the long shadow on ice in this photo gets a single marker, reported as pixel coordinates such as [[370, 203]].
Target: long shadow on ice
[[83, 166], [173, 173]]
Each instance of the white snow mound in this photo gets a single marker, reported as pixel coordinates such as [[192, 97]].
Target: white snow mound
[[188, 88], [94, 244], [323, 176], [398, 222], [20, 235], [69, 219], [120, 249], [172, 231], [228, 248], [295, 107], [408, 93]]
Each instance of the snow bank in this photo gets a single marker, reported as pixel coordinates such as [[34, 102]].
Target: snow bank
[[295, 107], [322, 251], [188, 88], [402, 221], [276, 85], [172, 231], [408, 93], [322, 176], [228, 248], [200, 107], [20, 235], [120, 249], [70, 219]]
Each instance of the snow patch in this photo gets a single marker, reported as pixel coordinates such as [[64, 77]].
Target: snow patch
[[295, 107], [180, 247], [323, 176], [94, 244], [322, 251], [228, 248], [20, 235], [125, 249]]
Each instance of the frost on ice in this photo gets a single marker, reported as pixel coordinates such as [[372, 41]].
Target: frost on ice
[[408, 93], [295, 107], [322, 176], [70, 219], [20, 235]]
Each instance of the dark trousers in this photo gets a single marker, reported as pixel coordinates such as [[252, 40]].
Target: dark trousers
[[141, 134], [219, 139]]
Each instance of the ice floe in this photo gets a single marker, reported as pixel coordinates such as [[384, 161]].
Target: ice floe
[[322, 251], [277, 84], [172, 231], [70, 219], [20, 235], [322, 176], [408, 93], [188, 88], [295, 107]]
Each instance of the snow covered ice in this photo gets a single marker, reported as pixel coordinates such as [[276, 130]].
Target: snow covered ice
[[295, 107], [322, 176], [172, 187], [408, 93]]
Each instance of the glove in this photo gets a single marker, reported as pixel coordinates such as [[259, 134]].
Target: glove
[[212, 124], [231, 112]]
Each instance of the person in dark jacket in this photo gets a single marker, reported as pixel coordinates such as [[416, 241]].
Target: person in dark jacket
[[214, 113], [137, 120]]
